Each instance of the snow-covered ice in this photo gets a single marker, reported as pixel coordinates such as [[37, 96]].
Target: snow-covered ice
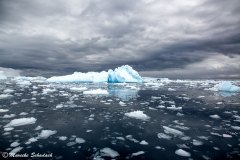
[[138, 115], [21, 122]]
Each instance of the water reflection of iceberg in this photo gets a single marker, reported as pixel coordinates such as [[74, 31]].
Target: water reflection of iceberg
[[125, 93], [226, 94]]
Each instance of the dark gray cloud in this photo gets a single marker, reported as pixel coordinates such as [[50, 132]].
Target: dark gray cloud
[[158, 38]]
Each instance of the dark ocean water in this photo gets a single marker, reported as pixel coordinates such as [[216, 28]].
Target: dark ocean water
[[186, 115]]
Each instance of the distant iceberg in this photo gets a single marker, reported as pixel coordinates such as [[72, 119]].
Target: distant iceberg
[[226, 87], [123, 74]]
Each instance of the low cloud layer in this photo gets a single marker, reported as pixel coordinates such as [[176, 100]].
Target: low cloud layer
[[158, 38]]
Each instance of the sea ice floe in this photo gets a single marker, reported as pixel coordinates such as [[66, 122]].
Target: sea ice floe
[[163, 136], [172, 131], [182, 153], [15, 150], [80, 140], [8, 91], [137, 115], [137, 153], [235, 127], [227, 136], [143, 142], [108, 152], [96, 91], [38, 128], [46, 133], [21, 122], [130, 138], [63, 138], [197, 143], [31, 140], [9, 116], [3, 110], [215, 116], [14, 144], [4, 96]]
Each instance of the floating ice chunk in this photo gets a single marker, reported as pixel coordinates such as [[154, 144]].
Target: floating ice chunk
[[78, 89], [96, 91], [124, 74], [182, 153], [21, 122], [122, 103], [59, 106], [14, 144], [235, 127], [15, 150], [227, 136], [31, 140], [172, 131], [108, 152], [215, 116], [8, 129], [171, 89], [9, 116], [63, 138], [130, 138], [137, 153], [80, 140], [137, 115], [164, 136], [38, 128], [3, 110], [46, 133], [197, 143], [226, 86], [4, 96], [143, 142], [8, 91], [23, 114]]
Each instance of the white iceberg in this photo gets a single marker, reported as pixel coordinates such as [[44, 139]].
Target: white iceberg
[[123, 74], [226, 86], [81, 77]]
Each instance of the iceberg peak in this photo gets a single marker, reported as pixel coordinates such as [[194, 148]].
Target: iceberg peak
[[123, 74]]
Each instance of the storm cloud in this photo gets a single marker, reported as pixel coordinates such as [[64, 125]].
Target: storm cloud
[[158, 38]]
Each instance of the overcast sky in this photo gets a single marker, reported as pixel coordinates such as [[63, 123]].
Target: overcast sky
[[160, 38]]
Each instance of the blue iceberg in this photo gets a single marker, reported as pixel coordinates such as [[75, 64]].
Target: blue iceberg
[[227, 87], [123, 74]]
